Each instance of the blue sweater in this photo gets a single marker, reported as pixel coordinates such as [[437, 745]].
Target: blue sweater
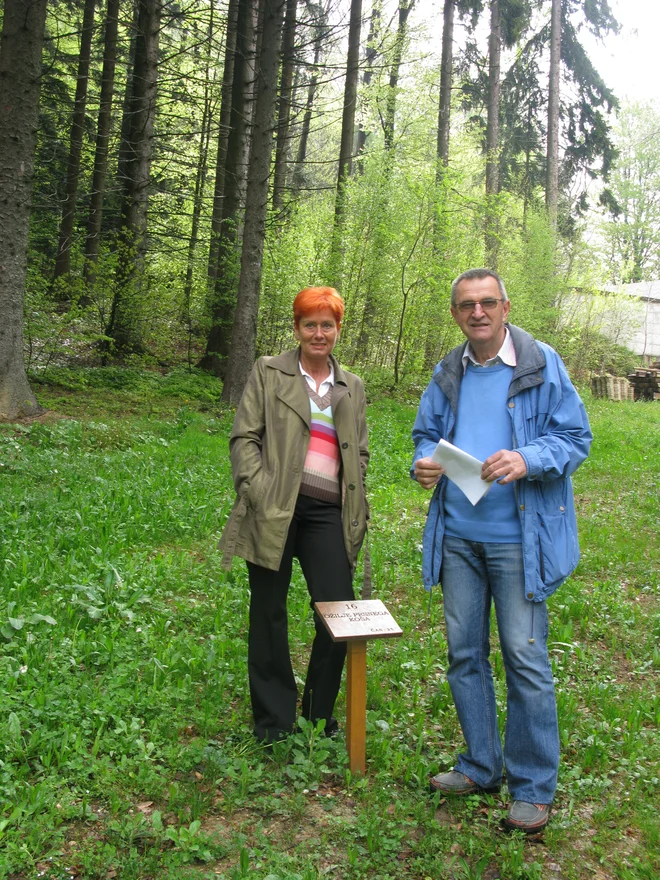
[[483, 426]]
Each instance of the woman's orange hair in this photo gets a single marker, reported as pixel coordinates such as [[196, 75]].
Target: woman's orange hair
[[316, 299]]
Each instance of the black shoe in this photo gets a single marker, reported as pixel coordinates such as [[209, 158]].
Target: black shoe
[[331, 729], [268, 737]]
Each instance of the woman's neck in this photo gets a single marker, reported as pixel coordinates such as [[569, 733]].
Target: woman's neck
[[319, 370]]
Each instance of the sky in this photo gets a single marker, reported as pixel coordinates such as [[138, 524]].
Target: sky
[[628, 61]]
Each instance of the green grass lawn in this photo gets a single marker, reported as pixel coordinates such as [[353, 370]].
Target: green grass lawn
[[125, 729]]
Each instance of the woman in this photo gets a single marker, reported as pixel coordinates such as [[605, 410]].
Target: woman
[[299, 458]]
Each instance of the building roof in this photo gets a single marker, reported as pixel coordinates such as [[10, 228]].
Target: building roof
[[648, 290]]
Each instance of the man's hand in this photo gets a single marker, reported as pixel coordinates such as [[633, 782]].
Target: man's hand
[[504, 466], [428, 472]]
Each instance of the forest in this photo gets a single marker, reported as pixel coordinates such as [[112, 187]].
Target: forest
[[174, 171]]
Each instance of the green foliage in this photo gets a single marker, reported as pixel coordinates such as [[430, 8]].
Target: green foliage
[[407, 233], [125, 736], [182, 383], [591, 330], [631, 230]]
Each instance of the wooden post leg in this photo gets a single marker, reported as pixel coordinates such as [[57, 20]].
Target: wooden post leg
[[356, 705]]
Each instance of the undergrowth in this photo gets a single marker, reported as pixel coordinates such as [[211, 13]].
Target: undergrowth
[[125, 732]]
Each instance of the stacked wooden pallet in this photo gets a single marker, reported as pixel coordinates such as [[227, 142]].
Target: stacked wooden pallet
[[612, 387], [646, 383]]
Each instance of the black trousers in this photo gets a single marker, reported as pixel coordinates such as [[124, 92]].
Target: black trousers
[[316, 539]]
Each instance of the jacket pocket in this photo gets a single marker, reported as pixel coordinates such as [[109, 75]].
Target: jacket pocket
[[256, 489], [557, 547]]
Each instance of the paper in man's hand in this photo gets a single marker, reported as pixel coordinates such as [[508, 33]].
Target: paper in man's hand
[[463, 469]]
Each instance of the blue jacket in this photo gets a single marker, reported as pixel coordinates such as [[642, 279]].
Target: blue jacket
[[550, 430]]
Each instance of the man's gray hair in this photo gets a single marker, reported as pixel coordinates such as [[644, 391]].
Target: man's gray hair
[[471, 274]]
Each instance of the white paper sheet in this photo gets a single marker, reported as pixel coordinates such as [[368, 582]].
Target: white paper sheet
[[463, 469]]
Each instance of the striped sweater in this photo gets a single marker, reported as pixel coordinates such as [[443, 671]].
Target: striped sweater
[[320, 477]]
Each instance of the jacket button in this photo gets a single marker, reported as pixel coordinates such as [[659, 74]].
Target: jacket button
[[354, 522], [511, 404], [351, 485], [530, 595], [562, 508], [344, 445], [522, 506]]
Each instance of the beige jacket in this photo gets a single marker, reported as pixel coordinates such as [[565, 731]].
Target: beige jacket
[[268, 444]]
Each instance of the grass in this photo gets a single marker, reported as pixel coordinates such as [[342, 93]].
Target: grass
[[125, 729]]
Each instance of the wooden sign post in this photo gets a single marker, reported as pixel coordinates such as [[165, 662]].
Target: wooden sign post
[[355, 623]]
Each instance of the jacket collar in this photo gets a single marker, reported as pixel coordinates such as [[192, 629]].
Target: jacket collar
[[528, 371], [287, 362], [294, 394], [530, 361]]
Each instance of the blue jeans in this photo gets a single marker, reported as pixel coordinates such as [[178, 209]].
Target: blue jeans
[[473, 575]]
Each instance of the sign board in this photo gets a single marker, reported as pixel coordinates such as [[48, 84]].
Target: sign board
[[355, 623], [360, 619]]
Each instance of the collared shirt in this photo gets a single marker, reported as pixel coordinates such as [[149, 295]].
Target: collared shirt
[[506, 354], [325, 385]]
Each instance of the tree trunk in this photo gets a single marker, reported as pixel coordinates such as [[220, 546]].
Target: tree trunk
[[63, 259], [223, 295], [372, 54], [200, 177], [223, 137], [102, 141], [347, 132], [446, 78], [493, 133], [244, 332], [350, 95], [552, 164], [20, 81], [405, 6], [284, 110], [299, 170], [125, 326]]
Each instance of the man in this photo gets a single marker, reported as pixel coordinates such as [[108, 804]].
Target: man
[[507, 400]]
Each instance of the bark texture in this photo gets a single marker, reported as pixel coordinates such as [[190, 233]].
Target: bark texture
[[63, 259], [493, 133], [226, 272], [350, 94], [552, 167], [301, 155], [223, 138], [125, 326], [347, 136], [446, 77], [284, 108], [370, 62], [244, 333], [405, 7], [102, 140], [20, 80]]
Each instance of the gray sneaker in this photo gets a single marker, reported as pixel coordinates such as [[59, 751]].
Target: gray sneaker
[[530, 818], [455, 782]]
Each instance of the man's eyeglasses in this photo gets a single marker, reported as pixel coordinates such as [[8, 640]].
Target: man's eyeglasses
[[469, 305]]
